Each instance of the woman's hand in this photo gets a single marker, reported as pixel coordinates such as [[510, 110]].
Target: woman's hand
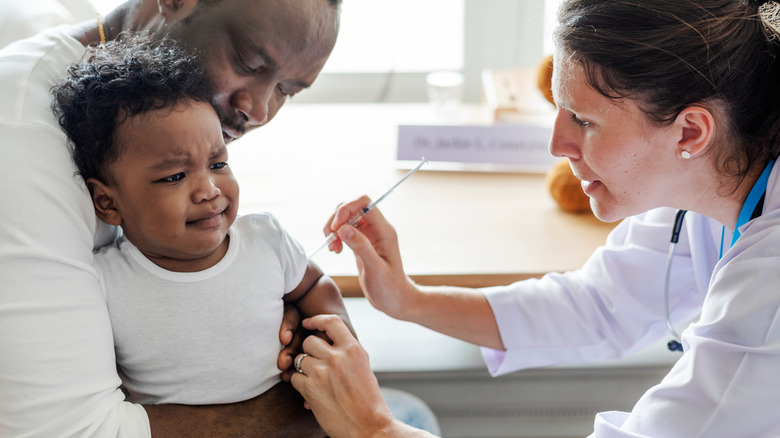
[[337, 382], [459, 312], [375, 245]]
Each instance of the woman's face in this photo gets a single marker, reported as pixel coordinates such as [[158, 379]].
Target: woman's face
[[622, 159]]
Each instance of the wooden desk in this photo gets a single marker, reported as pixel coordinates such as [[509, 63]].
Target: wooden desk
[[456, 228]]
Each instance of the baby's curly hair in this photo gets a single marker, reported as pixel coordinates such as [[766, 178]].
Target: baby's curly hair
[[118, 80]]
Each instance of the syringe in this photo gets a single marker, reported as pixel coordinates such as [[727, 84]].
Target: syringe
[[355, 220]]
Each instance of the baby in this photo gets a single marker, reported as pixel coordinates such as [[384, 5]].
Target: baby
[[195, 293]]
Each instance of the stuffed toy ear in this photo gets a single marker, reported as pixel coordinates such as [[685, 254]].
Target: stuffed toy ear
[[544, 78], [566, 190]]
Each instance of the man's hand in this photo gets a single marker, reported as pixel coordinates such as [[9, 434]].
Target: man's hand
[[291, 334]]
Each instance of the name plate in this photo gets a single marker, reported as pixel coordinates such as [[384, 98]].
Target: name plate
[[505, 147]]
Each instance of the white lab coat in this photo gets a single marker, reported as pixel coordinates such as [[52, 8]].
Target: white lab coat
[[726, 384]]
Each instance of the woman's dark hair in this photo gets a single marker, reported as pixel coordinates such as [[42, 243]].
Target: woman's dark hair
[[118, 80], [671, 54]]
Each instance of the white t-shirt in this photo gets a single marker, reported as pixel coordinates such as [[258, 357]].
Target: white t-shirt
[[726, 383], [57, 367], [202, 337]]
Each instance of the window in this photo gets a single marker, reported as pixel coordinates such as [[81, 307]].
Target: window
[[412, 38], [385, 49], [378, 36]]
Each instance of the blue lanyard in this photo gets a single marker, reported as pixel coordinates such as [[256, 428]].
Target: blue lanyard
[[753, 206]]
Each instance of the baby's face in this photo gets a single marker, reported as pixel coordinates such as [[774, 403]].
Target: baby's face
[[175, 193]]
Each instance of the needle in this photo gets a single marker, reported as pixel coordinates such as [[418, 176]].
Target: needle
[[355, 220]]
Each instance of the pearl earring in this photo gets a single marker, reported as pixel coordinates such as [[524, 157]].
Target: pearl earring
[[686, 155]]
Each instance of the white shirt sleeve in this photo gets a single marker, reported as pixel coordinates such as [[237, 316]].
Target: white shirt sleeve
[[57, 368], [724, 385], [604, 311]]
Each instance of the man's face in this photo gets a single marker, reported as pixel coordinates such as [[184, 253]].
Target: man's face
[[258, 53]]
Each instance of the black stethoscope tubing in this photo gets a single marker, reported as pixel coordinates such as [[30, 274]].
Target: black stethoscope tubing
[[674, 344]]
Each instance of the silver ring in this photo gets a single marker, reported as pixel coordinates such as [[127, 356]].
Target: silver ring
[[298, 362]]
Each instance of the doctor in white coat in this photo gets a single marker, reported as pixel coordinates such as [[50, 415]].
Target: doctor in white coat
[[663, 105]]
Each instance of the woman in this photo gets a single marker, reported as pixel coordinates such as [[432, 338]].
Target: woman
[[661, 104]]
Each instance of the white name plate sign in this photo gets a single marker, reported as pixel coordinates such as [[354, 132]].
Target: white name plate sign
[[504, 147]]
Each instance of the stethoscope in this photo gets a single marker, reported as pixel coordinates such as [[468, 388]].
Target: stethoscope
[[751, 209], [674, 344]]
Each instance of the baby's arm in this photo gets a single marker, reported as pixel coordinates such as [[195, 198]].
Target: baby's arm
[[317, 294]]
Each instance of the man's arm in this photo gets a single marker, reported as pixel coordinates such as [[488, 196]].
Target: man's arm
[[278, 412]]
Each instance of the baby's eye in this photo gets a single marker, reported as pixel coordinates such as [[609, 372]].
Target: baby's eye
[[218, 166], [173, 178]]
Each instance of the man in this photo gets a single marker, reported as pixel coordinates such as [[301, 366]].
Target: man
[[57, 368]]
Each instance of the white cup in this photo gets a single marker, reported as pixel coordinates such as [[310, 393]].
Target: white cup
[[445, 91]]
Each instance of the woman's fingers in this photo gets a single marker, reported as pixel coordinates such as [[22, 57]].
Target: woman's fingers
[[331, 325], [348, 210], [344, 212], [337, 383], [319, 353]]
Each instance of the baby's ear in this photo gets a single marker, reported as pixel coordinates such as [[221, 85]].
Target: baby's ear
[[103, 200]]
